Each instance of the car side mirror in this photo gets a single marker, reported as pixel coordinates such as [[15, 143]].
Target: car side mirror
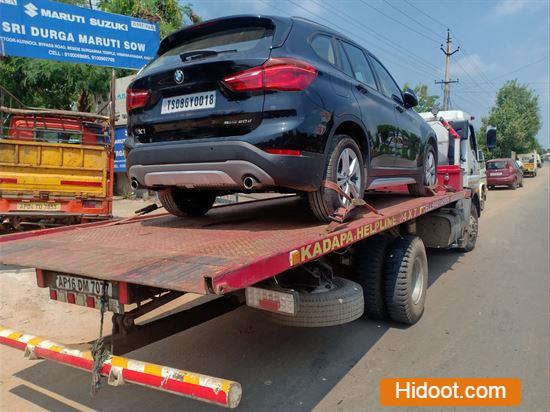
[[409, 99], [491, 137]]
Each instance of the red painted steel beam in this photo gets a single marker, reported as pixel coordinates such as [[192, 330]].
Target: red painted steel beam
[[121, 370]]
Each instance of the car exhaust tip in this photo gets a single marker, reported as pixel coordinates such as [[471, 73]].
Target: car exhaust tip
[[250, 183], [134, 184]]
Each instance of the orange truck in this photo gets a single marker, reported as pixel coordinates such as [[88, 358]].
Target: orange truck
[[56, 168]]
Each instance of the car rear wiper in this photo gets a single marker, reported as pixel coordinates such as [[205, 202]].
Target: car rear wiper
[[196, 54]]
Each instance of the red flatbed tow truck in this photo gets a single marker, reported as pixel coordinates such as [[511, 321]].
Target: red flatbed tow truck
[[268, 254]]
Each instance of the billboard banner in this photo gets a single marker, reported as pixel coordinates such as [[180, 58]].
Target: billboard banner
[[45, 29], [120, 136], [121, 84]]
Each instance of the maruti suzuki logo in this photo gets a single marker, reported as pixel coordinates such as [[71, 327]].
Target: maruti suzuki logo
[[30, 9]]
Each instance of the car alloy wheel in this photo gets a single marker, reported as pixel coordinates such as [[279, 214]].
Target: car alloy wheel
[[344, 166], [348, 175], [427, 179], [430, 169]]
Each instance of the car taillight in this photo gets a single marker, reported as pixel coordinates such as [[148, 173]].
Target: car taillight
[[511, 169], [283, 74], [136, 98]]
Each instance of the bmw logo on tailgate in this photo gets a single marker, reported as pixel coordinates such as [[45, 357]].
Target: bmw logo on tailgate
[[178, 76]]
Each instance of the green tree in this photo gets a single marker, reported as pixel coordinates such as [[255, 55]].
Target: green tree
[[426, 102], [170, 14], [60, 85], [44, 83], [516, 117]]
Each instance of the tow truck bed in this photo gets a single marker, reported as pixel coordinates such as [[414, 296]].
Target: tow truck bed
[[232, 247]]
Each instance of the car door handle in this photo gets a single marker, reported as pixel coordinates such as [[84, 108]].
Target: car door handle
[[399, 109], [362, 89]]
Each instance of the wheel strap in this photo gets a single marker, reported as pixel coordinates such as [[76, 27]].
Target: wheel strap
[[342, 213]]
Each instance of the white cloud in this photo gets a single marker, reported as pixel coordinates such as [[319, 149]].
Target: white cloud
[[509, 7], [471, 64]]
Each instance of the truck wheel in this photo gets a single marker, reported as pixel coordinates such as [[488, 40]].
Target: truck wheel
[[341, 304], [183, 203], [429, 175], [345, 167], [369, 266], [470, 234], [406, 283]]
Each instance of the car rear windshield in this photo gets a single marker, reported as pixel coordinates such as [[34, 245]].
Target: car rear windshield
[[237, 40], [497, 165]]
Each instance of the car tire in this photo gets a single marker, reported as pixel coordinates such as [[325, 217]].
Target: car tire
[[406, 279], [324, 201], [185, 203], [368, 262], [514, 185], [471, 231], [429, 175], [341, 304]]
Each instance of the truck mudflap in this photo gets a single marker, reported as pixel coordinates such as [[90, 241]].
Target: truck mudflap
[[120, 370]]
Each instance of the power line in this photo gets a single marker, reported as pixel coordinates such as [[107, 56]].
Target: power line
[[471, 78], [412, 18], [379, 36], [521, 68], [471, 91], [342, 29], [521, 82], [426, 14], [401, 23], [472, 61], [447, 81]]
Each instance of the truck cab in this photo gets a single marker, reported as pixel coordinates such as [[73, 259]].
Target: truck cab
[[460, 149]]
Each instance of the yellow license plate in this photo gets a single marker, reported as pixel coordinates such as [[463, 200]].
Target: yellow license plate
[[42, 206]]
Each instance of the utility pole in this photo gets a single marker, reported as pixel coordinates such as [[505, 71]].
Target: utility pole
[[447, 81]]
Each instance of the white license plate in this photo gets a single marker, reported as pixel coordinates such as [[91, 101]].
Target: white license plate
[[187, 102], [44, 206], [496, 174], [83, 285]]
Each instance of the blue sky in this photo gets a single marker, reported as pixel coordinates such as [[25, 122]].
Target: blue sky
[[499, 39]]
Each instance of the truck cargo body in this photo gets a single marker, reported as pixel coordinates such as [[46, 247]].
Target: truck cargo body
[[54, 170]]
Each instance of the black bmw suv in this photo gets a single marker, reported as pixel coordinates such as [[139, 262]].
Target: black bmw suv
[[260, 103]]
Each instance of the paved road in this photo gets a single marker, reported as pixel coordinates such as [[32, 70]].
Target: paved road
[[487, 315]]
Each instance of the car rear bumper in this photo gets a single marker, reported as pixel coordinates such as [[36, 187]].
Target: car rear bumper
[[500, 180], [222, 165]]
